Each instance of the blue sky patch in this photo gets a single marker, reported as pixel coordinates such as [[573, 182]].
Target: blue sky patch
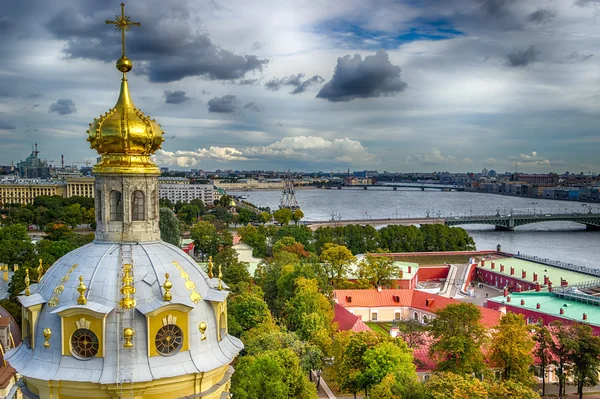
[[352, 34]]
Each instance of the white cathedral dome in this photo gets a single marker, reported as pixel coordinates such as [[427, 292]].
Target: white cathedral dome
[[100, 264]]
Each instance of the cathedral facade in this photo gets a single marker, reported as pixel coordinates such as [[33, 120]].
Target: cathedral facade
[[128, 315]]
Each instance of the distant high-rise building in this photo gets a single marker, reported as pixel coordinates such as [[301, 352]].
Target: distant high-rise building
[[484, 172]]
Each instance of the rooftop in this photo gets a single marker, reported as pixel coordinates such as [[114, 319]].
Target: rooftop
[[551, 305], [554, 273]]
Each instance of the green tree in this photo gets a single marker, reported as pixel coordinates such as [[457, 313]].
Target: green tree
[[200, 204], [510, 389], [511, 348], [271, 375], [543, 351], [234, 271], [336, 261], [385, 358], [255, 238], [188, 214], [385, 389], [561, 348], [283, 216], [584, 356], [297, 216], [248, 309], [58, 232], [456, 386], [169, 227], [379, 271], [165, 203], [360, 239], [16, 245], [310, 314], [412, 332], [264, 217], [73, 215], [245, 216], [457, 339], [208, 240]]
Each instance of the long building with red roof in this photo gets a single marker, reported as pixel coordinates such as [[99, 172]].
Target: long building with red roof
[[400, 304]]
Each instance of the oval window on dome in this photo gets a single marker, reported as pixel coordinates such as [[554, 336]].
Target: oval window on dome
[[169, 339], [84, 343]]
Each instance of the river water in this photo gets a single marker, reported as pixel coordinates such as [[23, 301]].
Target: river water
[[564, 241]]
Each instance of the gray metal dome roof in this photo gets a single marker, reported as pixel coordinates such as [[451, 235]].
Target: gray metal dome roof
[[100, 264]]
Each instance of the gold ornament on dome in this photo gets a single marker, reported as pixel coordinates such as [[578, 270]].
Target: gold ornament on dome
[[189, 284], [55, 300], [81, 288], [125, 136], [167, 286], [202, 328], [210, 267], [127, 288], [27, 290], [128, 334], [40, 271], [47, 335]]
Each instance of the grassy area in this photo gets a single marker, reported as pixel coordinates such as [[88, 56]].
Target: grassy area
[[381, 328], [434, 259]]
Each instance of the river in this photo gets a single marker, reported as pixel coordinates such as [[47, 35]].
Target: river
[[564, 241]]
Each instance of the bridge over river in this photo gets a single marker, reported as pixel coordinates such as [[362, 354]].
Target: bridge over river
[[502, 222]]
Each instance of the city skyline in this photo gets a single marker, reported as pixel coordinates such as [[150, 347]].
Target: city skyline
[[435, 86]]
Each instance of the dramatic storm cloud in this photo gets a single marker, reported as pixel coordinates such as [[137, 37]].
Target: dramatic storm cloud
[[225, 104], [389, 85], [63, 106], [175, 97], [523, 58], [375, 76]]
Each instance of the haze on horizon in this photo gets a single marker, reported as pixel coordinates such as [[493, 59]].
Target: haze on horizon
[[417, 85]]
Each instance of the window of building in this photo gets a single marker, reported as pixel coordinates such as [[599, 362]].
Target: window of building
[[116, 206], [397, 316], [425, 319], [416, 316], [154, 199], [374, 316], [137, 206], [169, 339], [84, 343]]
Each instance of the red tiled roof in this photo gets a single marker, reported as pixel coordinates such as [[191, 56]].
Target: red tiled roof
[[407, 298], [347, 321]]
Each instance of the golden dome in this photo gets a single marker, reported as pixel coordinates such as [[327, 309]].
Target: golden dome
[[125, 137]]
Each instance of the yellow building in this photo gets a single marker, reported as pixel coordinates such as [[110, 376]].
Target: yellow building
[[24, 191], [128, 315]]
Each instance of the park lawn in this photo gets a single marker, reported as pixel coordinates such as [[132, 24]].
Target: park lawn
[[381, 328], [433, 259]]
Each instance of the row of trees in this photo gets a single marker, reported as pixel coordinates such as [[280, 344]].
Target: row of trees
[[361, 239], [46, 210]]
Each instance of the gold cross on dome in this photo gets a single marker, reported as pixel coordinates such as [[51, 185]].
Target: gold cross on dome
[[122, 23]]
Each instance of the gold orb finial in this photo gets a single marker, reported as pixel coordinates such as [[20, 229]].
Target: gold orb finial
[[47, 335], [128, 334], [202, 328], [210, 267], [27, 290], [81, 288], [167, 286]]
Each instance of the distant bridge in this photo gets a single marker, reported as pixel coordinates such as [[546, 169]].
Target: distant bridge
[[501, 222], [509, 222], [394, 187]]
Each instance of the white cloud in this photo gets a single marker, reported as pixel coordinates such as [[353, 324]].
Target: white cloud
[[298, 148]]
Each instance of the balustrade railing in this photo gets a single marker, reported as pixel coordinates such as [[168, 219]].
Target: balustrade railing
[[559, 264]]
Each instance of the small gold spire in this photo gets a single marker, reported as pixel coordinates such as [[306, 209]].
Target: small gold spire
[[210, 267], [202, 327], [128, 334], [167, 286], [4, 272], [220, 287], [27, 290], [47, 335], [127, 289], [40, 270], [81, 288]]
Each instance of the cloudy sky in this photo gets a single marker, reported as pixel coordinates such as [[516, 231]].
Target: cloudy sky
[[412, 85]]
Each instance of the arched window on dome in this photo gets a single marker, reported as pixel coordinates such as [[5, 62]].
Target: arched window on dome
[[138, 206], [116, 206], [223, 324]]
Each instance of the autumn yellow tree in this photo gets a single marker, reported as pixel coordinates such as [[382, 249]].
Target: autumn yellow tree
[[511, 348], [454, 386]]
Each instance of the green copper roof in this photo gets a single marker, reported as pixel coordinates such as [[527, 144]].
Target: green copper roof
[[554, 273], [551, 305]]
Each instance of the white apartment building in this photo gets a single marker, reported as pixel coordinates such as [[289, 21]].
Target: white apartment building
[[187, 192]]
